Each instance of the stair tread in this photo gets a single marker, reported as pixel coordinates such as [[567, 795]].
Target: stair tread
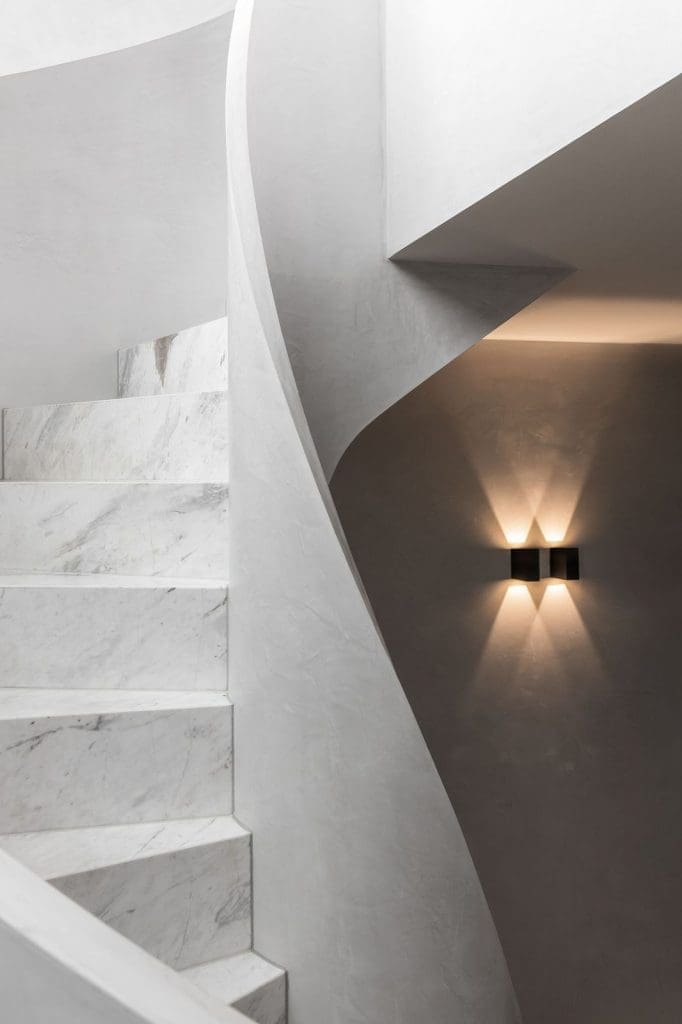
[[17, 703], [234, 977], [104, 580], [54, 853], [169, 399]]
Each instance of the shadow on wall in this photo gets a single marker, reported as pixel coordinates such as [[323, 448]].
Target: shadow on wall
[[552, 710]]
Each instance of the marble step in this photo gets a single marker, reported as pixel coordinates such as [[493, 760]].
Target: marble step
[[180, 889], [192, 360], [179, 438], [248, 983], [113, 632], [74, 758], [128, 529]]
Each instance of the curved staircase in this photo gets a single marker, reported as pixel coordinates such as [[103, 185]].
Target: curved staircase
[[115, 724]]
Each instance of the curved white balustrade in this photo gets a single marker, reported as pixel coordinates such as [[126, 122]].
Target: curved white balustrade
[[363, 885]]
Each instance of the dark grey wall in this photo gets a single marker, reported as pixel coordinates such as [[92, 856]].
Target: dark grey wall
[[553, 713]]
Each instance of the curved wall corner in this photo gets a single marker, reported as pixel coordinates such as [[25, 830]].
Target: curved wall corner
[[363, 885], [361, 331]]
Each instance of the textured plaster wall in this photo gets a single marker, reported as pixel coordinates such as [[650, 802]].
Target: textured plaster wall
[[479, 93], [36, 34], [360, 331], [553, 713], [112, 210]]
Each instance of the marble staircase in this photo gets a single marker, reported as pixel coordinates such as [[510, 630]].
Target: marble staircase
[[115, 723]]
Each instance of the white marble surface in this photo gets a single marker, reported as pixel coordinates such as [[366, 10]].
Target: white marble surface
[[111, 632], [192, 360], [60, 964], [181, 438], [55, 853], [71, 758], [181, 890], [249, 983], [147, 529]]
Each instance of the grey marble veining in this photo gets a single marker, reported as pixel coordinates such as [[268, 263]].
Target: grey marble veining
[[168, 635], [181, 438], [183, 907], [136, 529], [72, 758], [192, 360], [179, 889], [249, 983]]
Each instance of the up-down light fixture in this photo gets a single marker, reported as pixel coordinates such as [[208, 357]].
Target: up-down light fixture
[[564, 563], [530, 564]]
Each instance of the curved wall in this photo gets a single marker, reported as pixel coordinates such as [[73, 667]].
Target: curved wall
[[553, 710], [112, 210], [360, 331], [363, 886]]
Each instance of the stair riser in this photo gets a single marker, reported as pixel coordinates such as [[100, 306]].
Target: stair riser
[[114, 638], [184, 908], [179, 438], [192, 360], [268, 1004], [140, 529], [71, 771]]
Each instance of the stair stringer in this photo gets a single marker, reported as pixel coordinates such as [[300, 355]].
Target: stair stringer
[[363, 884]]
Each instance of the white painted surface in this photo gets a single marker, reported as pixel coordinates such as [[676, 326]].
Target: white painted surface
[[108, 632], [71, 757], [181, 438], [361, 332], [54, 954], [146, 529], [112, 209], [363, 885], [37, 35], [192, 360], [479, 93]]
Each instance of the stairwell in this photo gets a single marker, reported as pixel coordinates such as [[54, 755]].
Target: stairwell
[[115, 723]]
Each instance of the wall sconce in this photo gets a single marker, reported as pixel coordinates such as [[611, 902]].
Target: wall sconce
[[525, 563], [564, 563], [529, 564]]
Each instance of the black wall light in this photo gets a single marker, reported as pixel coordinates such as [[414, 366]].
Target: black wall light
[[564, 564], [525, 563]]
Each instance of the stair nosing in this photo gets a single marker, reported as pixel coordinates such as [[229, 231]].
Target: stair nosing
[[65, 862], [164, 396], [30, 704]]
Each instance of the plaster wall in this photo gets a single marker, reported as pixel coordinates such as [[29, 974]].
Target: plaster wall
[[363, 886], [112, 210], [360, 331], [38, 35], [552, 712], [478, 93]]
